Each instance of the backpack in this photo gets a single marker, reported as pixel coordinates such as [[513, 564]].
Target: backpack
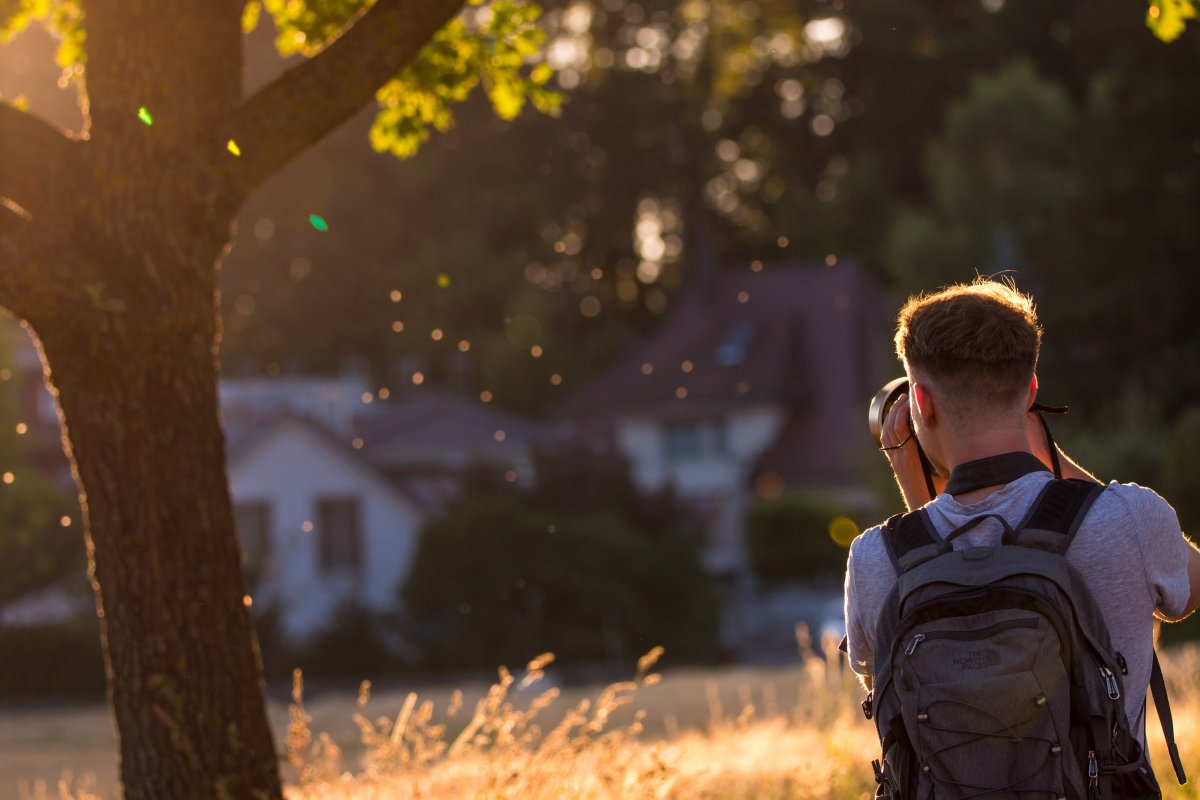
[[994, 676]]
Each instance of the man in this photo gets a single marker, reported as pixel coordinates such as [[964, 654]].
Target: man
[[970, 353]]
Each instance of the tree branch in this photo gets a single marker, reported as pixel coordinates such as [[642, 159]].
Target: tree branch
[[313, 98], [36, 161]]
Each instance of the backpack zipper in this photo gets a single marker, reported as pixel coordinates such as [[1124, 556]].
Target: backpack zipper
[[1048, 610], [981, 633], [1110, 683]]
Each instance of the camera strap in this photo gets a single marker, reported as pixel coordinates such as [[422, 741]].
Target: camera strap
[[1042, 411], [992, 471]]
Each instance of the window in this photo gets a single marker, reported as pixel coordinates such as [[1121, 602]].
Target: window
[[253, 521], [692, 439], [339, 536], [683, 441]]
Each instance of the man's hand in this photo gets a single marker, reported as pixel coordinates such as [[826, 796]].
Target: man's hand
[[906, 460]]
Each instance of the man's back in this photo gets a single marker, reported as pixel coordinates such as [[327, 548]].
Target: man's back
[[1129, 551]]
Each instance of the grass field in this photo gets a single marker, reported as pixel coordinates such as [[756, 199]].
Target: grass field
[[740, 732]]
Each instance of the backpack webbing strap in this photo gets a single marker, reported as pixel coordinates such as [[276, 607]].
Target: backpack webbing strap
[[1061, 507], [1158, 690], [904, 533]]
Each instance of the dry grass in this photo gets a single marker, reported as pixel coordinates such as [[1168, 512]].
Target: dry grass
[[734, 734]]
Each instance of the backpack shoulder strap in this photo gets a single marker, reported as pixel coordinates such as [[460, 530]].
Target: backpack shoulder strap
[[1060, 509], [1158, 690], [904, 534]]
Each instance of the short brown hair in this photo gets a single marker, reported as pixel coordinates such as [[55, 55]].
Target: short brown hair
[[979, 340]]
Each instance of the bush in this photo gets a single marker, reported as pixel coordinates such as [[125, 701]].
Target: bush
[[61, 661], [35, 547], [499, 578], [789, 538]]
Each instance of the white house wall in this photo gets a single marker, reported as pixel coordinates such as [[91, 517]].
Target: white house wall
[[291, 471], [720, 476]]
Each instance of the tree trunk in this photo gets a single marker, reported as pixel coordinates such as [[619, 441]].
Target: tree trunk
[[136, 377]]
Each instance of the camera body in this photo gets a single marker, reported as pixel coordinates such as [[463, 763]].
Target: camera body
[[882, 403]]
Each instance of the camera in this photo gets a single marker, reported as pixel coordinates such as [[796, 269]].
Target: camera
[[882, 403]]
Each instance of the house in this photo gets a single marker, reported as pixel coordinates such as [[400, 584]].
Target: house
[[756, 383], [318, 524], [331, 484]]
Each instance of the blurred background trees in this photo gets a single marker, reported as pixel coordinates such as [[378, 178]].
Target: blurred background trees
[[929, 140]]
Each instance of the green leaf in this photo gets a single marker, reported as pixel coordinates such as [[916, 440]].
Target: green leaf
[[1168, 18], [251, 15], [496, 44], [306, 25]]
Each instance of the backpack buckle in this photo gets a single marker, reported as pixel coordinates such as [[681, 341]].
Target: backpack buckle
[[866, 706]]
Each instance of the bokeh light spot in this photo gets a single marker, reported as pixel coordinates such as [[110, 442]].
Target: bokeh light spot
[[318, 222], [145, 117], [843, 531]]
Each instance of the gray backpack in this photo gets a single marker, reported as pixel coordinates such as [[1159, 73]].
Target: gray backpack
[[994, 674]]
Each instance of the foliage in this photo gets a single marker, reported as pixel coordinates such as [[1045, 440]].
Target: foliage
[[999, 175], [354, 644], [506, 39], [34, 545], [582, 563], [1168, 18], [498, 578], [792, 538], [59, 660], [542, 214], [497, 45]]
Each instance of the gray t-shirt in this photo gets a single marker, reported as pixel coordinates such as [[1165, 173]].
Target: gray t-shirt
[[1129, 550]]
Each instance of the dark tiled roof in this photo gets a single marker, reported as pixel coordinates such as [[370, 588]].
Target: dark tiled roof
[[420, 422], [812, 339]]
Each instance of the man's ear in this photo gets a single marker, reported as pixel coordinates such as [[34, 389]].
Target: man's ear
[[1033, 387], [922, 398]]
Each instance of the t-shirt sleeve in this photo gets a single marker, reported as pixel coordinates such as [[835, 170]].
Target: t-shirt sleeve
[[857, 639], [1164, 548]]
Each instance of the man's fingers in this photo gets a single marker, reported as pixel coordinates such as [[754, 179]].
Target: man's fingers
[[896, 426]]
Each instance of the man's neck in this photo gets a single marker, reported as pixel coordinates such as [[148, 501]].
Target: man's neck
[[983, 445]]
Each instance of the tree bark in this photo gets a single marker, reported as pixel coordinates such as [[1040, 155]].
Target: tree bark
[[136, 385], [110, 249]]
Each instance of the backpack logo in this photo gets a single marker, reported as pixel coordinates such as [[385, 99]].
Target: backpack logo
[[978, 659]]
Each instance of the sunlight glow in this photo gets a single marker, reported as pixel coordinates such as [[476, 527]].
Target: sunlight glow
[[825, 31]]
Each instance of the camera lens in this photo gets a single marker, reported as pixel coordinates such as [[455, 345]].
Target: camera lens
[[882, 403]]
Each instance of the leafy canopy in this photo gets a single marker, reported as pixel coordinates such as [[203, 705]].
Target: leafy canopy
[[495, 43], [1167, 18]]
